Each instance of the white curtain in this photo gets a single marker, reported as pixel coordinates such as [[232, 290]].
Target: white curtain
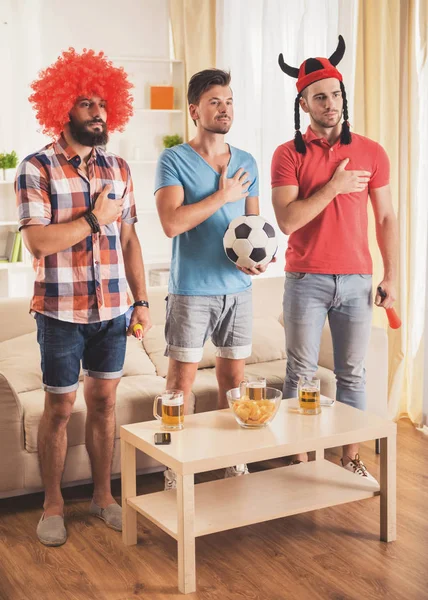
[[250, 36], [391, 96]]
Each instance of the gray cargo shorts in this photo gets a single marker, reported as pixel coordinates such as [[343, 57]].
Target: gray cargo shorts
[[191, 320]]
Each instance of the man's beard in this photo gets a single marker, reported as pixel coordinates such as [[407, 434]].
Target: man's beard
[[222, 128], [86, 137]]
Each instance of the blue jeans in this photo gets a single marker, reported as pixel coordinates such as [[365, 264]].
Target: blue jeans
[[346, 300]]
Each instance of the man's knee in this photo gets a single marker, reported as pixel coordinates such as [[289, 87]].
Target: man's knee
[[351, 380], [102, 404], [58, 408], [295, 370], [181, 374], [100, 396]]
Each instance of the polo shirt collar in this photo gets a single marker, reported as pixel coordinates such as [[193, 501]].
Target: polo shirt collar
[[310, 137]]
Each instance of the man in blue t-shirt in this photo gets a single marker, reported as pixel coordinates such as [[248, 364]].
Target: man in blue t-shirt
[[200, 187]]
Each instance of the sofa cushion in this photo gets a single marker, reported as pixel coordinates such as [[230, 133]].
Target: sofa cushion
[[136, 360], [20, 362], [134, 403], [268, 344]]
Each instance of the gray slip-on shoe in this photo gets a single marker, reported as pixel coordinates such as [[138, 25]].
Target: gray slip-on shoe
[[111, 515], [51, 531]]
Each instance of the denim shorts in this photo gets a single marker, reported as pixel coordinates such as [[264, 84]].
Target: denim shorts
[[191, 320], [100, 347]]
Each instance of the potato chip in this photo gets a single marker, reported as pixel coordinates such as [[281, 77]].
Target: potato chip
[[253, 412]]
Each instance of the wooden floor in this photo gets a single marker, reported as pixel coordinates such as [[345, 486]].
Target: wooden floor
[[332, 554]]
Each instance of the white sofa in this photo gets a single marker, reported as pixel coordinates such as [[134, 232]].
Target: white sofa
[[22, 396]]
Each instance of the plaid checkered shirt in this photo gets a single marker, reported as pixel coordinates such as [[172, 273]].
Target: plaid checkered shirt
[[85, 283]]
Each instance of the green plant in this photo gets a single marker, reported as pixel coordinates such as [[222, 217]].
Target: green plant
[[12, 160], [8, 161], [171, 140]]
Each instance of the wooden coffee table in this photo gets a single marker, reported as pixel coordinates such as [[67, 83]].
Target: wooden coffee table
[[214, 440]]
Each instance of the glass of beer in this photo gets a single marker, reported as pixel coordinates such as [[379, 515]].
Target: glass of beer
[[309, 396], [172, 409], [253, 388]]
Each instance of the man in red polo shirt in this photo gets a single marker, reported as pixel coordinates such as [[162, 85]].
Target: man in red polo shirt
[[321, 184]]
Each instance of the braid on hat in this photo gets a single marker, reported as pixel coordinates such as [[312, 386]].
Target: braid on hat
[[299, 144], [345, 135]]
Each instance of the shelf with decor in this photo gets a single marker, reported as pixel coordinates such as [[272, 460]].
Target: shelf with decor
[[16, 272], [159, 110]]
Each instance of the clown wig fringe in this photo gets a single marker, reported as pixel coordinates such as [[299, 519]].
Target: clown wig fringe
[[80, 75]]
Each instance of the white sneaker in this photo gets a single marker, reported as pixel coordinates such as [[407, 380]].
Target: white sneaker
[[236, 471], [170, 479], [358, 467]]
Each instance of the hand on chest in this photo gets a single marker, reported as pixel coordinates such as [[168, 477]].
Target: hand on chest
[[316, 171]]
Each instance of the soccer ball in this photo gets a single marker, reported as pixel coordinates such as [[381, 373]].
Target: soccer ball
[[250, 241]]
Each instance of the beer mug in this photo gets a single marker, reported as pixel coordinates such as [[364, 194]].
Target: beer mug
[[172, 409], [253, 388], [309, 396]]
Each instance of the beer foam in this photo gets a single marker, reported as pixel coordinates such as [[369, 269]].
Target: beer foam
[[172, 399]]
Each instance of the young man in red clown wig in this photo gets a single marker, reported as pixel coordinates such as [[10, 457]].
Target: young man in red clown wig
[[321, 184], [77, 215]]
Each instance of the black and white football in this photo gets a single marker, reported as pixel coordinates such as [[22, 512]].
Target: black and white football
[[250, 241]]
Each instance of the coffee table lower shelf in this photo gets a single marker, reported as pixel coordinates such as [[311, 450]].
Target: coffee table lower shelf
[[228, 503]]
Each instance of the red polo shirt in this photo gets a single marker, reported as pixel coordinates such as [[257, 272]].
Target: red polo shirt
[[336, 241]]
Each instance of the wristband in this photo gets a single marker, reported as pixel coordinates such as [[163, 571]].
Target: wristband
[[92, 221], [141, 303]]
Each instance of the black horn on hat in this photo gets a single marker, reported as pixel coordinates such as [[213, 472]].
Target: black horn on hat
[[291, 71], [337, 55]]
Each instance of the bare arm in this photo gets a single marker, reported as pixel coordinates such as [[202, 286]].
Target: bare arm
[[292, 212], [135, 275], [387, 239], [176, 217], [43, 240], [252, 205]]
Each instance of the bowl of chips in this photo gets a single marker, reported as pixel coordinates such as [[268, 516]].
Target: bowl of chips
[[254, 414]]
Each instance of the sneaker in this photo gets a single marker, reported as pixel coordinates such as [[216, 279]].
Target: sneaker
[[236, 471], [170, 479], [358, 467]]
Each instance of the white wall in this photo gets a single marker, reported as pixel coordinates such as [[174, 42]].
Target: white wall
[[33, 33]]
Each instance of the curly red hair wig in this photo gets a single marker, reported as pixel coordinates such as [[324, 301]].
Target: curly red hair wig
[[75, 75]]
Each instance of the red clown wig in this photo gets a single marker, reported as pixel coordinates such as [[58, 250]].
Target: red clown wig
[[80, 75]]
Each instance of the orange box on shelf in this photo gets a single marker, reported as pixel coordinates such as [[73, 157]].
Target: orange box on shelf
[[161, 97]]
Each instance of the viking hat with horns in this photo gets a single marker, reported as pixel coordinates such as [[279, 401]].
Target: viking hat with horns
[[311, 70]]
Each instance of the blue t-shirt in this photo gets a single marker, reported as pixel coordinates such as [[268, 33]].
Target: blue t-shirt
[[199, 265]]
